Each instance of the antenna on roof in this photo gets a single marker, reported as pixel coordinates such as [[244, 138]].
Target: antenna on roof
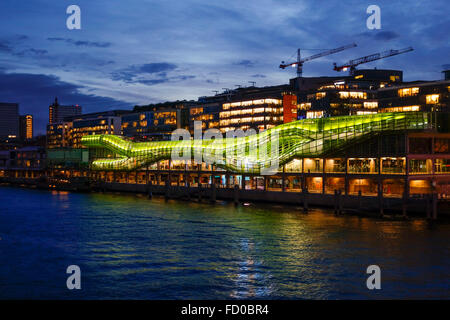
[[253, 83]]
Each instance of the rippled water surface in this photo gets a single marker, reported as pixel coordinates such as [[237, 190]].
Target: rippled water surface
[[130, 247]]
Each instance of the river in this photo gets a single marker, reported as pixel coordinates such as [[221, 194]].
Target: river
[[130, 247]]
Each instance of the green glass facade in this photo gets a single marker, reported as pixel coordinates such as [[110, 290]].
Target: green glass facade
[[321, 137]]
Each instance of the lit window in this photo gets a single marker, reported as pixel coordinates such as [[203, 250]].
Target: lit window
[[320, 95], [314, 114], [370, 105], [401, 109], [432, 98], [406, 92]]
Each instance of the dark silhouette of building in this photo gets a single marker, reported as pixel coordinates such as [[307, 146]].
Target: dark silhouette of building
[[57, 112], [9, 120]]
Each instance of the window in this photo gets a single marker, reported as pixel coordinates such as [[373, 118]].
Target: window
[[352, 94], [371, 105], [406, 92], [401, 109], [432, 98], [394, 78], [314, 114], [320, 95], [442, 166], [418, 166]]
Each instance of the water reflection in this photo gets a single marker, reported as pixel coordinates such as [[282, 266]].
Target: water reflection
[[135, 248]]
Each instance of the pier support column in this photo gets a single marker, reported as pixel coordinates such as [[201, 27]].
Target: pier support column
[[434, 198], [166, 189], [213, 192], [305, 200], [150, 190], [336, 206], [380, 197], [188, 185], [236, 195], [359, 200], [405, 204]]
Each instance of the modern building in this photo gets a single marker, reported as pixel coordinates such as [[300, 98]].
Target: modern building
[[9, 120], [154, 123], [58, 135], [26, 127], [29, 158], [57, 112], [257, 108], [105, 124], [415, 96], [68, 158], [349, 95], [398, 154], [69, 132], [206, 113]]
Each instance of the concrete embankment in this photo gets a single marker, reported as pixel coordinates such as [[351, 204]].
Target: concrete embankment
[[423, 206]]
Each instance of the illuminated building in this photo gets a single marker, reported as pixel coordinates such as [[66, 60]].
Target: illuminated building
[[290, 108], [26, 127], [155, 124], [258, 114], [58, 135], [93, 126], [57, 112], [207, 113], [9, 120], [391, 153], [25, 158], [351, 95], [415, 96], [69, 132], [244, 108]]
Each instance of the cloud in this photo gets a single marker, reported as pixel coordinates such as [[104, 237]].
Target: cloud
[[34, 91], [130, 73], [258, 76], [156, 67], [12, 44], [183, 77], [245, 63], [32, 52], [446, 66], [83, 43], [149, 73], [152, 82], [5, 47], [380, 35]]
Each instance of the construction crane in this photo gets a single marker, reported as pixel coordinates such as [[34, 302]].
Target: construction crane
[[299, 63], [351, 65]]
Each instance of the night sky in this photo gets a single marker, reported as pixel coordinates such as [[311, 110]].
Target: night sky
[[139, 52]]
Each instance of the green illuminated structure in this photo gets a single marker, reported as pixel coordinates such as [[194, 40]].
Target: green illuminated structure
[[258, 152]]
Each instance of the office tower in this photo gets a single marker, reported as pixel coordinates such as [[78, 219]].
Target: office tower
[[26, 127], [9, 120], [57, 112]]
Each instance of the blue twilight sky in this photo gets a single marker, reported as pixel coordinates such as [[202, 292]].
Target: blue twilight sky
[[142, 51]]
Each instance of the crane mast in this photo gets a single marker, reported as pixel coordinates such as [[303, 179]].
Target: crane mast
[[351, 65], [300, 61]]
